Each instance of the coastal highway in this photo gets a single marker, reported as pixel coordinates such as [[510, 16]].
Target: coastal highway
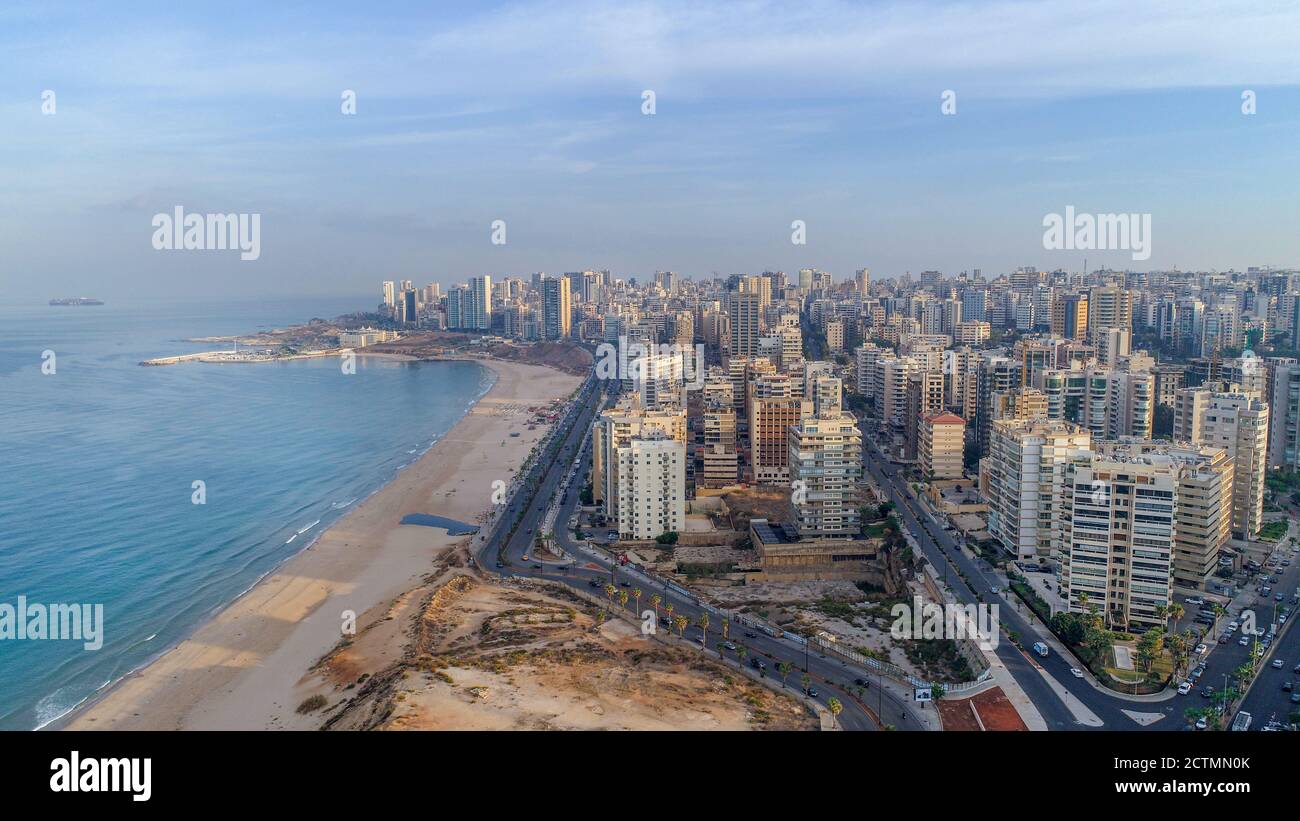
[[829, 676]]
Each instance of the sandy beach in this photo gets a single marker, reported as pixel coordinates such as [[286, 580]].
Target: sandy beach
[[245, 668]]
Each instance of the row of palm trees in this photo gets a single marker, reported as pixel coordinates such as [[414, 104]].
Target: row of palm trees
[[680, 622]]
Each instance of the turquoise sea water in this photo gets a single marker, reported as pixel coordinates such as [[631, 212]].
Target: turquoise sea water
[[98, 459]]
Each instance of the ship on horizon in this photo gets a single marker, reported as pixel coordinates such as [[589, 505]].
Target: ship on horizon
[[76, 300]]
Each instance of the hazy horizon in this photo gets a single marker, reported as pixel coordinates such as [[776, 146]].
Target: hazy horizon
[[531, 113]]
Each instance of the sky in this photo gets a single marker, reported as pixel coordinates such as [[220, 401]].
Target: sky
[[532, 113]]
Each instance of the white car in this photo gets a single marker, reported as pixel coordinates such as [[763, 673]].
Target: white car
[[1277, 664], [1076, 672], [1201, 723], [1201, 649], [1184, 688], [1244, 641], [1232, 626]]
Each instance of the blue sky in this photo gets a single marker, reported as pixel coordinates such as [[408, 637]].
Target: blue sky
[[531, 113]]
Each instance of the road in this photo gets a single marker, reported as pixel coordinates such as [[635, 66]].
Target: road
[[943, 551], [829, 676], [1039, 678]]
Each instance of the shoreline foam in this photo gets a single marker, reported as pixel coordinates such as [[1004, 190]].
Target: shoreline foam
[[239, 668]]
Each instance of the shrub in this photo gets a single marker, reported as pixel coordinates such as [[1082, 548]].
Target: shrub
[[311, 704]]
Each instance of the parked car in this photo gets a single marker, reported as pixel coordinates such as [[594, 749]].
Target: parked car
[[1184, 688], [1201, 649], [1244, 641]]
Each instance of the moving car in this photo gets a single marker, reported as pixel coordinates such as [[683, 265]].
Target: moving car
[[1076, 672], [1040, 648], [1277, 664]]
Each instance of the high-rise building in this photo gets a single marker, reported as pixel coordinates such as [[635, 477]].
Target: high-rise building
[[773, 408], [745, 311], [1022, 477], [1110, 306], [925, 397], [651, 477], [613, 429], [1237, 422], [1138, 516], [479, 315], [557, 308], [1070, 316], [943, 440], [825, 458], [1284, 418]]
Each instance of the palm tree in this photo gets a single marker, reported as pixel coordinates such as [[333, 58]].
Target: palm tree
[[741, 652], [654, 602], [681, 623], [600, 618], [668, 608], [835, 707], [636, 594], [1175, 612], [806, 680], [726, 627], [784, 669], [704, 625], [622, 599], [610, 590]]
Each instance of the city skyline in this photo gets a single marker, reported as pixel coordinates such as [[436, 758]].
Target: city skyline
[[532, 114]]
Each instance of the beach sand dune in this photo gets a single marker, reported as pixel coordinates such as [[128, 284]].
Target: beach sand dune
[[245, 668]]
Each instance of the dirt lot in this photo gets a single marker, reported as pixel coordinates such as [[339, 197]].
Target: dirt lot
[[483, 656]]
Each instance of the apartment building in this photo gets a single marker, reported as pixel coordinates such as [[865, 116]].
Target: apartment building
[[1238, 423], [825, 463], [1023, 475], [613, 429], [651, 477], [773, 408], [942, 445], [1140, 518]]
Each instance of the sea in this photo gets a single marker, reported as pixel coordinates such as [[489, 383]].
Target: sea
[[101, 462]]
